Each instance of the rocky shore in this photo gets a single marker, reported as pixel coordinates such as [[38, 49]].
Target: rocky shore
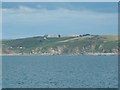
[[48, 54]]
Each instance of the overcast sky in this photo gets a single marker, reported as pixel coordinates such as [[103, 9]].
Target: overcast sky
[[31, 19]]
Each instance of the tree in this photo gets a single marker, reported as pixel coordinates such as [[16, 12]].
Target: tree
[[45, 36], [59, 35]]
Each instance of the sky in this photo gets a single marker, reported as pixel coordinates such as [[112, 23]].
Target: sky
[[26, 19], [0, 21], [60, 0]]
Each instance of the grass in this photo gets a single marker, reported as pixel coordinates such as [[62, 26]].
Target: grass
[[69, 44]]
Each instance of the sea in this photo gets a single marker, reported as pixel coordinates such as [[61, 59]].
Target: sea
[[60, 72]]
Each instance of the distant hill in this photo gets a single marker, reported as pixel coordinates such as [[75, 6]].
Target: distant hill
[[76, 45]]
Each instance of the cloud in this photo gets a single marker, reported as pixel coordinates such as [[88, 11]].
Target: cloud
[[21, 9], [0, 16], [30, 16], [26, 21], [27, 14]]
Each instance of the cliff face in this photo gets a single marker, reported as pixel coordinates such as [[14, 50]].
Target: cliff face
[[62, 45]]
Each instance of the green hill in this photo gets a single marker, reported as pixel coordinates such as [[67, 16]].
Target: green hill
[[61, 45]]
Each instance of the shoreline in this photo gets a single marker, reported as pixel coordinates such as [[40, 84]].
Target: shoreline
[[86, 54]]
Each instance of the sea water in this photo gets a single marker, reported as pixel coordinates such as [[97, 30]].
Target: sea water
[[59, 72], [0, 72]]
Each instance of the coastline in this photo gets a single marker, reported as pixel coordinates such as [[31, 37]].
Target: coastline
[[86, 54]]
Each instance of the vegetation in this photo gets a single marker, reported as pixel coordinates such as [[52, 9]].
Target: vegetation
[[43, 45]]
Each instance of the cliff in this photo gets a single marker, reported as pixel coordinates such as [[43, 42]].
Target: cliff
[[75, 45]]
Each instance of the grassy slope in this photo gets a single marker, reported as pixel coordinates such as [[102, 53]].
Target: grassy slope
[[64, 45]]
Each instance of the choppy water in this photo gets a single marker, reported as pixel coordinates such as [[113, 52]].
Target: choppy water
[[60, 71]]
